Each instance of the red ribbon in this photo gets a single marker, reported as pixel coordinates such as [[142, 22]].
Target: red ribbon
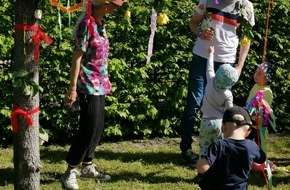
[[39, 35], [18, 111], [90, 19]]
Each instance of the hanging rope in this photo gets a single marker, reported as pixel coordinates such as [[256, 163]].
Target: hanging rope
[[267, 173], [270, 3]]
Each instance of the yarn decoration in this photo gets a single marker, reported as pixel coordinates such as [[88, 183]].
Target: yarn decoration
[[73, 8], [264, 117]]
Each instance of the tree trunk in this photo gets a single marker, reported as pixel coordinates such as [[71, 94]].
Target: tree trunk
[[26, 140]]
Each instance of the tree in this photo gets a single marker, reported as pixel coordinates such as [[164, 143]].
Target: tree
[[26, 77]]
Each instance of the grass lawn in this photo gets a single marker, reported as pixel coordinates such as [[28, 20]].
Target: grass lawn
[[140, 165]]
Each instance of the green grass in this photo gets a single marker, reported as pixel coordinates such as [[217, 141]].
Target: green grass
[[141, 165]]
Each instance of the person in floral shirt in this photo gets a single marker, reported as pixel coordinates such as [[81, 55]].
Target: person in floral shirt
[[89, 83]]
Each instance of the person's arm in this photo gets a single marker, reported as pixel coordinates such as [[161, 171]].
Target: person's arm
[[261, 157], [194, 23], [71, 95], [210, 64], [229, 102], [207, 160], [244, 50], [202, 165]]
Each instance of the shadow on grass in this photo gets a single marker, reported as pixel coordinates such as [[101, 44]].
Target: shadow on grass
[[57, 156], [6, 177], [50, 177], [281, 161], [148, 158], [154, 158], [152, 178], [258, 180], [278, 177]]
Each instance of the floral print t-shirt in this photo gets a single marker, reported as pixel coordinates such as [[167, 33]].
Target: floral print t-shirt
[[93, 77]]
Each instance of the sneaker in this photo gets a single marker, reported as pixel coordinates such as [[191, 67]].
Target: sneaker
[[89, 171], [69, 180], [190, 157]]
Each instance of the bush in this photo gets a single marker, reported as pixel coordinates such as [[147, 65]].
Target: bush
[[147, 99]]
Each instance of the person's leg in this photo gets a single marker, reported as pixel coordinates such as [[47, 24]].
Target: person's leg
[[78, 148], [204, 139], [210, 130], [94, 120], [84, 137], [97, 125], [216, 129], [196, 85]]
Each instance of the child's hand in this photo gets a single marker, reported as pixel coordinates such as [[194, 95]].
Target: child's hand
[[211, 49]]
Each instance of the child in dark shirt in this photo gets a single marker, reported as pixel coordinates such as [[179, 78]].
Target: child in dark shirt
[[228, 161]]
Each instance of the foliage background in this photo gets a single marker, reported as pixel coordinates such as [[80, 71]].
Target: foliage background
[[147, 99]]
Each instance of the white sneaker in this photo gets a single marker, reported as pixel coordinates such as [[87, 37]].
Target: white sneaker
[[89, 171], [69, 179]]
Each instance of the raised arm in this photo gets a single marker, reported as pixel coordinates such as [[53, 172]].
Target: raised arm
[[210, 64], [244, 50]]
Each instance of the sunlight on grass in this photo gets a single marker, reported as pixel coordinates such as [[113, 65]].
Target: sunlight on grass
[[141, 165]]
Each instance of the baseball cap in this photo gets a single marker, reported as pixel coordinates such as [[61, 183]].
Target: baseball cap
[[226, 76], [116, 2], [237, 115]]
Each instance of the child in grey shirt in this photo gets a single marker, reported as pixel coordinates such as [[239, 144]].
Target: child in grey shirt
[[217, 98]]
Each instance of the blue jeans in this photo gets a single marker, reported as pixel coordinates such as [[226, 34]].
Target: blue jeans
[[195, 90]]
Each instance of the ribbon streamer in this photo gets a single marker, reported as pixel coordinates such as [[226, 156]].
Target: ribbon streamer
[[151, 39], [39, 35], [260, 109], [67, 9], [258, 102], [59, 23], [18, 111]]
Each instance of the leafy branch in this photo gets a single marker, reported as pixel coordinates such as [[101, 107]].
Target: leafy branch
[[245, 28], [21, 80]]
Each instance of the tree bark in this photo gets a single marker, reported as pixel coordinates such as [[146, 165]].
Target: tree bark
[[26, 141]]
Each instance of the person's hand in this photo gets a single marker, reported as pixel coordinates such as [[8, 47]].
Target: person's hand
[[211, 49], [70, 97], [207, 34]]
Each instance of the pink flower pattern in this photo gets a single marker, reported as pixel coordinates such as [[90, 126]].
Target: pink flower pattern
[[93, 77]]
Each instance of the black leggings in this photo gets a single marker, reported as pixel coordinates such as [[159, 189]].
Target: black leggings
[[92, 116]]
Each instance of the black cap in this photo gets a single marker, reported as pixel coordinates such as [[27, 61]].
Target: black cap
[[238, 115]]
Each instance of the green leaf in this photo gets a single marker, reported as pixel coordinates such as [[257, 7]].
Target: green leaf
[[20, 74], [43, 135]]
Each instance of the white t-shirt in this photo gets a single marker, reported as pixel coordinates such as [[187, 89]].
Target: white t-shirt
[[224, 22]]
